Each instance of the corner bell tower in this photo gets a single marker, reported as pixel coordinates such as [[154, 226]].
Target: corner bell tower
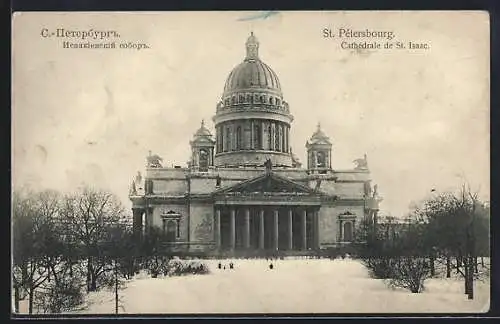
[[319, 152], [202, 149]]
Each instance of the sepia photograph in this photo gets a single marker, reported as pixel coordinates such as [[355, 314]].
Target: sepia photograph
[[250, 162]]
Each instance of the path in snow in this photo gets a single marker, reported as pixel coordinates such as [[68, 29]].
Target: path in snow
[[293, 286]]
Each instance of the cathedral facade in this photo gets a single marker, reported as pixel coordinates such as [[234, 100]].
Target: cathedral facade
[[244, 191]]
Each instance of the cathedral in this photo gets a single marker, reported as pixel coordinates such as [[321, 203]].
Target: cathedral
[[243, 191]]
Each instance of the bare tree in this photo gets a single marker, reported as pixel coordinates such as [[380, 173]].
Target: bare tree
[[88, 216], [35, 242], [457, 226]]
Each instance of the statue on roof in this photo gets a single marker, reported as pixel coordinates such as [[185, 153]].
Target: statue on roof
[[133, 190], [361, 164], [154, 161], [138, 177]]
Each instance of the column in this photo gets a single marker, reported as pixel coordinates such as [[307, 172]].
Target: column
[[282, 144], [223, 137], [217, 228], [286, 139], [137, 222], [219, 140], [304, 232], [316, 229], [262, 137], [341, 235], [276, 232], [247, 228], [290, 229], [261, 229], [252, 136], [273, 136], [232, 228], [148, 220]]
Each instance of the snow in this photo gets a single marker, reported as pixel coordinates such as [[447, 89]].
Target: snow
[[293, 286]]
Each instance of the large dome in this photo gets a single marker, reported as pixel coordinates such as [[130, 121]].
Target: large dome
[[252, 121], [252, 73]]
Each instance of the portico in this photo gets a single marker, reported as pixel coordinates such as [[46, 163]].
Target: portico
[[267, 213], [266, 227]]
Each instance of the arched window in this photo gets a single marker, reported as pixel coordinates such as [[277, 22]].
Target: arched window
[[262, 99], [171, 230], [271, 100], [249, 98], [242, 98], [238, 138], [203, 156], [278, 102], [233, 100], [321, 160], [256, 137], [347, 231]]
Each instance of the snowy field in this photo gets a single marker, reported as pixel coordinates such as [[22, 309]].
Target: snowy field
[[293, 286]]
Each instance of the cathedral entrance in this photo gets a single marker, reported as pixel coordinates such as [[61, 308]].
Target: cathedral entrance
[[265, 214]]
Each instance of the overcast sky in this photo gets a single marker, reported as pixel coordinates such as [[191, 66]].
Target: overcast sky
[[422, 117]]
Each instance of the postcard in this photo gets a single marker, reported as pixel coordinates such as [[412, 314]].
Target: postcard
[[250, 162]]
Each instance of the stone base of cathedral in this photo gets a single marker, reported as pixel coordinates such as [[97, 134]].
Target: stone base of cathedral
[[209, 250]]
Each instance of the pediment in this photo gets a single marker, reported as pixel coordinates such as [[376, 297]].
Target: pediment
[[268, 183]]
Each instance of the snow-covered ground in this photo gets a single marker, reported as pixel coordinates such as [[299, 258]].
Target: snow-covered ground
[[293, 286]]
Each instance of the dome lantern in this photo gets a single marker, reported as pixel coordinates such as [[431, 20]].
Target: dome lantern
[[252, 45]]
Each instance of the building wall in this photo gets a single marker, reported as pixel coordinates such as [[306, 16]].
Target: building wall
[[353, 190], [201, 226], [329, 222], [327, 226], [170, 187], [253, 157], [198, 218], [203, 185], [326, 186]]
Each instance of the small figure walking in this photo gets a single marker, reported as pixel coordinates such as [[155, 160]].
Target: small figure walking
[[271, 266], [231, 265], [224, 267]]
